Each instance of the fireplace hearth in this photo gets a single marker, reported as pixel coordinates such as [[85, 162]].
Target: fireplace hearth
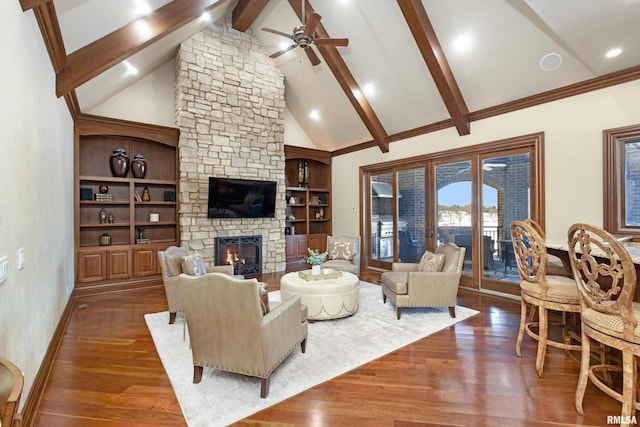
[[244, 253]]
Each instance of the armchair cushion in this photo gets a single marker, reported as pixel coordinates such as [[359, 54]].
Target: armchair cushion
[[431, 262], [396, 282], [193, 265], [171, 263]]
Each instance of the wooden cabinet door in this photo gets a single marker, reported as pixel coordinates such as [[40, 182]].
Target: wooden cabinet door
[[318, 241], [301, 246], [144, 262], [92, 266], [119, 264]]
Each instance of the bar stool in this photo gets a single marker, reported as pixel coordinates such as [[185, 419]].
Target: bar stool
[[546, 292], [606, 279]]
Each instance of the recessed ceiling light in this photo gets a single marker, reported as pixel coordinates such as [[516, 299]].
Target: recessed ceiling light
[[143, 7], [315, 115], [205, 16], [614, 52], [463, 42], [551, 62], [284, 44], [369, 89], [131, 70]]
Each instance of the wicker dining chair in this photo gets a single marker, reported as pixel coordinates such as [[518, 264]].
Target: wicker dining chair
[[543, 291], [605, 276]]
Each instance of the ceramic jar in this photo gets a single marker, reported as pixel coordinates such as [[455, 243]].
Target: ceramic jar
[[139, 166], [119, 163], [105, 240]]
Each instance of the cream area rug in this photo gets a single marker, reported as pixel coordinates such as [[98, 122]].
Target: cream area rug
[[333, 348]]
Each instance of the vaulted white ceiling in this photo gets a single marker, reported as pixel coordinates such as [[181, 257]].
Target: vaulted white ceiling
[[507, 40]]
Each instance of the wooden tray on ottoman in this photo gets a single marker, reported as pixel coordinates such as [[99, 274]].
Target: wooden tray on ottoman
[[327, 273]]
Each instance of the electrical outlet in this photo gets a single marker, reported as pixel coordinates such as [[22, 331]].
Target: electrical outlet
[[20, 258], [4, 268]]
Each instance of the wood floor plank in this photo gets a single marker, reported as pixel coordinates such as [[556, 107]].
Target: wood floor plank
[[107, 373]]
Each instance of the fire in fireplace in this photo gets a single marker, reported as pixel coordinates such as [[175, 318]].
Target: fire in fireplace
[[244, 253]]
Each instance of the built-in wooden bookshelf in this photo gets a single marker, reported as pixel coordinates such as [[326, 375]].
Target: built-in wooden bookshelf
[[126, 257], [308, 210]]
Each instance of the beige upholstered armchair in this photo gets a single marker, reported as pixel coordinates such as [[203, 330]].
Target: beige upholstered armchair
[[406, 286], [175, 261], [229, 332], [344, 254]]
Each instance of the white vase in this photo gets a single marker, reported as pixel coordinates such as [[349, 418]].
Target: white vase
[[316, 269]]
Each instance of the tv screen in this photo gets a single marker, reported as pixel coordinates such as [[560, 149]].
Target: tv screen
[[241, 198]]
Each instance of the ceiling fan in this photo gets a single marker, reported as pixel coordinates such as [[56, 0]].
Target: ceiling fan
[[303, 36]]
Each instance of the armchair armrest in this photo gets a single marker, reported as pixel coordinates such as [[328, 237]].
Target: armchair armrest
[[438, 287], [403, 267], [282, 329]]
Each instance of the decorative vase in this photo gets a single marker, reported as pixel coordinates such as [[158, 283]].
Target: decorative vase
[[139, 166], [119, 163], [105, 240], [316, 269], [307, 174], [300, 175]]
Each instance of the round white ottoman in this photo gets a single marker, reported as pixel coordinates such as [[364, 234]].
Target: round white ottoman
[[325, 299]]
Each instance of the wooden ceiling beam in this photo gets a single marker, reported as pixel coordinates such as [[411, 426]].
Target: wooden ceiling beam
[[245, 12], [346, 81], [429, 46], [30, 4], [47, 19], [93, 59]]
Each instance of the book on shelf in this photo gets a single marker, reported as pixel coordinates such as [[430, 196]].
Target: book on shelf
[[103, 197], [142, 241]]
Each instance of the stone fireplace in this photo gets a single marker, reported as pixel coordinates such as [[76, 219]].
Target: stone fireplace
[[244, 253], [230, 111]]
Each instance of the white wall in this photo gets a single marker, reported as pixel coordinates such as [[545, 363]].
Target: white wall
[[294, 134], [36, 193], [573, 154], [149, 100]]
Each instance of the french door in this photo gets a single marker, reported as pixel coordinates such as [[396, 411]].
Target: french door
[[475, 202], [466, 198]]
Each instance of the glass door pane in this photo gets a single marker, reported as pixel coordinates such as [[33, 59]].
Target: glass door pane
[[410, 219], [506, 196], [454, 212], [381, 219]]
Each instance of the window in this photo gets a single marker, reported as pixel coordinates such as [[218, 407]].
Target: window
[[622, 180]]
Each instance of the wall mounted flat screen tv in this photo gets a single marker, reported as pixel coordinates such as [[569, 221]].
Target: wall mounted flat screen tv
[[241, 198]]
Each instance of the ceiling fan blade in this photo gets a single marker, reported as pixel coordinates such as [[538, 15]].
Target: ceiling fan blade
[[283, 51], [280, 33], [312, 56], [314, 20], [332, 42]]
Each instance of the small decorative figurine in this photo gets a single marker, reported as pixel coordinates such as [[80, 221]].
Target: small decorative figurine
[[145, 195], [103, 216], [110, 218]]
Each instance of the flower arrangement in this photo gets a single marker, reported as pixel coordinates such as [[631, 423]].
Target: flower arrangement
[[314, 257]]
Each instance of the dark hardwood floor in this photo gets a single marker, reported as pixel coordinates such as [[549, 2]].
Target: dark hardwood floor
[[107, 373]]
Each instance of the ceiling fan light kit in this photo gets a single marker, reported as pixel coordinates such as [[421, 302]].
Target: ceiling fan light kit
[[303, 36]]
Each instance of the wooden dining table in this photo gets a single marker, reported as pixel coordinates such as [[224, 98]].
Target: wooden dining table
[[561, 250]]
